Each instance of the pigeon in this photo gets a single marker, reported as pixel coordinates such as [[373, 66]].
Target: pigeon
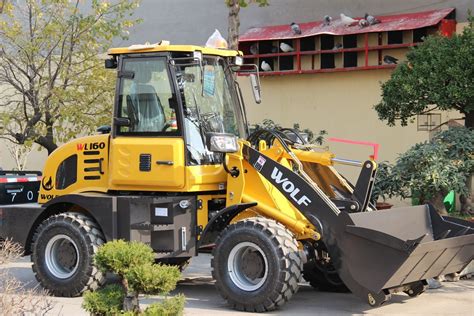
[[285, 47], [265, 66], [296, 28], [337, 46], [347, 20], [327, 20], [371, 19], [254, 49], [363, 23], [390, 60]]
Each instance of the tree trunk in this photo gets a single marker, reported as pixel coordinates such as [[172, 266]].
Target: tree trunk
[[467, 207], [437, 202], [234, 24], [46, 142], [469, 120], [130, 303]]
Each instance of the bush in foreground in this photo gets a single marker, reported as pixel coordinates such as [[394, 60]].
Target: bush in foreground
[[133, 263]]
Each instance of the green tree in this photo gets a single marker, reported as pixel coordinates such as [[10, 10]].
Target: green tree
[[234, 19], [439, 75], [52, 80]]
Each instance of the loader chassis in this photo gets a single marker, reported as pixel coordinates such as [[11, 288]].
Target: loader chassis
[[179, 171]]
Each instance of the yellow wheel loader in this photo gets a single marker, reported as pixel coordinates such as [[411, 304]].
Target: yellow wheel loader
[[178, 170]]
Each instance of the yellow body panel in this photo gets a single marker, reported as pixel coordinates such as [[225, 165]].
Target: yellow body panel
[[125, 161], [125, 175], [176, 48], [92, 170], [205, 178]]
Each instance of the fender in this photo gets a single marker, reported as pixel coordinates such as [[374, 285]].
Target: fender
[[219, 222], [101, 207]]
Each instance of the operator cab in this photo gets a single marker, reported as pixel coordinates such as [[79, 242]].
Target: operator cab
[[172, 94]]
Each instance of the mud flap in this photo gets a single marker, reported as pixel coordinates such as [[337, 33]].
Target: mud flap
[[380, 252]]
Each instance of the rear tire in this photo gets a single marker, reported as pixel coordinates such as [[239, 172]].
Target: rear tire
[[256, 264], [62, 254], [320, 272]]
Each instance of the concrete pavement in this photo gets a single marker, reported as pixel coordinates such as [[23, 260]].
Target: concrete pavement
[[202, 298]]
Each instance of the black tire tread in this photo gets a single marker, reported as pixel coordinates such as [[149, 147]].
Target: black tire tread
[[91, 230], [287, 247], [319, 282]]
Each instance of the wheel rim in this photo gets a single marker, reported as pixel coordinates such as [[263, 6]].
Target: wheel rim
[[247, 266], [61, 256]]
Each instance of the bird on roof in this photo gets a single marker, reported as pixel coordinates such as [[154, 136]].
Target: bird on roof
[[363, 23], [347, 20], [265, 66], [327, 20], [254, 49], [390, 60], [296, 28], [371, 19], [285, 47]]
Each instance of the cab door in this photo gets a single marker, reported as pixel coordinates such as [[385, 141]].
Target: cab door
[[147, 147]]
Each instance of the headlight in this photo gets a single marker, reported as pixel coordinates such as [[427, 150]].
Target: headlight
[[222, 143]]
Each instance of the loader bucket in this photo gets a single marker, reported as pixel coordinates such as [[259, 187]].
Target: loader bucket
[[393, 248], [376, 253]]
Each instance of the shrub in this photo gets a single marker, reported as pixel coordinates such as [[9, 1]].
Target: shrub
[[153, 278], [133, 262], [384, 185], [271, 125], [118, 256], [106, 301], [172, 306], [15, 298]]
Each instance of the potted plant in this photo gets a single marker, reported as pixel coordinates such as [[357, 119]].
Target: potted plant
[[430, 170]]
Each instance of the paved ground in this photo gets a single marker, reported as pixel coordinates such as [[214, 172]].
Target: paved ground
[[202, 298]]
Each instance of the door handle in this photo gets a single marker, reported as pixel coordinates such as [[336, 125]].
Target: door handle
[[164, 162]]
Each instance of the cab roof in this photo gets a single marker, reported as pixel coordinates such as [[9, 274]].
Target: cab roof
[[150, 48]]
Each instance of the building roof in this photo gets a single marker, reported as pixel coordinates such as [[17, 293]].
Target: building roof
[[398, 22], [149, 48]]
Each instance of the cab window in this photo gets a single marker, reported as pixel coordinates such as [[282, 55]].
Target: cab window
[[146, 97]]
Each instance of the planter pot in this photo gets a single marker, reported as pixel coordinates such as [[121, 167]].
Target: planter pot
[[383, 205]]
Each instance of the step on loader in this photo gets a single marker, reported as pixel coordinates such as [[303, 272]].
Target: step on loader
[[179, 170]]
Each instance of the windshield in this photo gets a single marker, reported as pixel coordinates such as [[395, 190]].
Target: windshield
[[210, 105]]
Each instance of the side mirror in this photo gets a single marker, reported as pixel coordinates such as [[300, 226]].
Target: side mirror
[[104, 129], [121, 121], [222, 143], [255, 82], [111, 63]]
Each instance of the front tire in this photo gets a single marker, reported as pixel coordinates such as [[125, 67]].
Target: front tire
[[62, 254], [256, 264]]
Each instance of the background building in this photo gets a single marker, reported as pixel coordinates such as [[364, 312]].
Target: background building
[[340, 102]]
